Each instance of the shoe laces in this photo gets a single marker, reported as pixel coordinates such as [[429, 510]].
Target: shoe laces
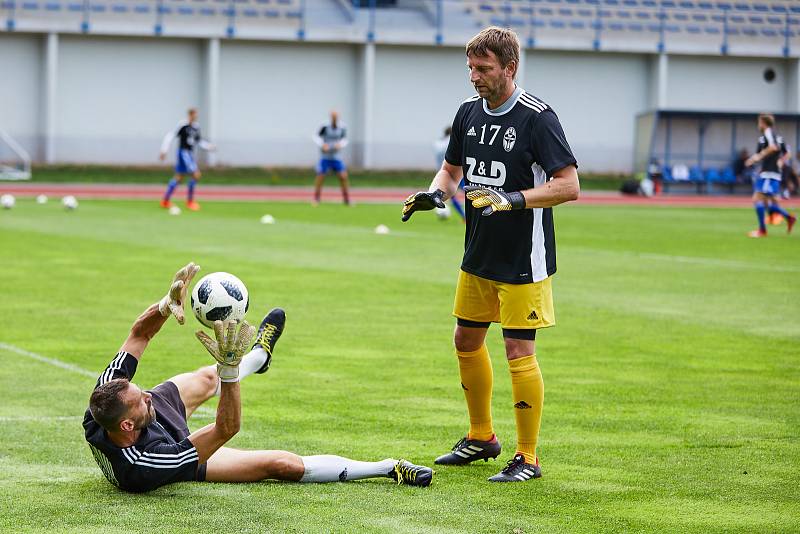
[[514, 465], [460, 444], [266, 336], [405, 472]]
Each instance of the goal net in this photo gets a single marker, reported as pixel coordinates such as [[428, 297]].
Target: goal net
[[15, 163]]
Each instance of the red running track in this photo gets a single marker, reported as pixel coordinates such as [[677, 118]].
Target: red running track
[[359, 194]]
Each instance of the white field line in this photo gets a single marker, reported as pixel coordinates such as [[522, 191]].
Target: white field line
[[201, 410], [697, 260]]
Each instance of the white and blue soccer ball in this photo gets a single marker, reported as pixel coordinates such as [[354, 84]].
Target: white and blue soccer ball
[[69, 202], [7, 201], [219, 297]]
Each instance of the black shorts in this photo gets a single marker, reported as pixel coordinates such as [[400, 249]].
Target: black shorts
[[171, 414]]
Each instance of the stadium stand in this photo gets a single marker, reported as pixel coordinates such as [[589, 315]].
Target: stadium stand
[[715, 27]]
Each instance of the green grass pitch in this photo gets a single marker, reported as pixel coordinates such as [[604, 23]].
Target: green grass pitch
[[672, 379]]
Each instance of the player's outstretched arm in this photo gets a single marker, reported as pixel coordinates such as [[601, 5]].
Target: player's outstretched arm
[[153, 318], [563, 187], [231, 344], [443, 186]]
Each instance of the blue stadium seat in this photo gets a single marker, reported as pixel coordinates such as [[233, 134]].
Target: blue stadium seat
[[672, 28], [558, 24], [526, 10], [713, 175], [546, 11], [718, 18], [538, 23], [623, 14], [655, 28], [630, 3], [733, 31], [778, 8], [693, 29], [649, 3], [711, 30], [687, 5], [680, 16], [705, 5], [52, 6], [769, 32], [794, 9], [565, 12], [30, 6], [643, 15], [577, 24], [616, 26], [75, 7], [666, 173], [140, 9], [119, 8], [761, 7], [585, 13], [737, 19], [668, 3], [775, 20], [635, 27], [696, 174], [755, 19], [486, 7], [750, 32], [183, 10], [727, 176], [250, 13], [699, 17], [207, 11], [271, 13], [742, 7]]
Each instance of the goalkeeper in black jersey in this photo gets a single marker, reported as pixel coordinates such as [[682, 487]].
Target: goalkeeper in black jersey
[[517, 165], [140, 438]]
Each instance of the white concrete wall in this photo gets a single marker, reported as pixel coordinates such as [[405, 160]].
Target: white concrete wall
[[726, 84], [117, 97], [416, 97], [275, 96], [21, 73], [596, 97]]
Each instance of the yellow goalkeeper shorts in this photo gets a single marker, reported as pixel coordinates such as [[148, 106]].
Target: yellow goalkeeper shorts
[[514, 306]]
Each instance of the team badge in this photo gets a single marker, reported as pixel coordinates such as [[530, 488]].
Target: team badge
[[509, 138]]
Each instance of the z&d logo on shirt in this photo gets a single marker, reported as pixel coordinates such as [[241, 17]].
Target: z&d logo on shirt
[[509, 138]]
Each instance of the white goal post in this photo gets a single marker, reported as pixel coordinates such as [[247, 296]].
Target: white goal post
[[15, 162]]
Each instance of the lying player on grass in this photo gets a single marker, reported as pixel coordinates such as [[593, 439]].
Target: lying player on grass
[[140, 438]]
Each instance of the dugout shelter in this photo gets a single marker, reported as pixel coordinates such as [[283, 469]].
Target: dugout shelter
[[704, 143]]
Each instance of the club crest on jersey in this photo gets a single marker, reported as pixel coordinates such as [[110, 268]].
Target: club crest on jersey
[[509, 138]]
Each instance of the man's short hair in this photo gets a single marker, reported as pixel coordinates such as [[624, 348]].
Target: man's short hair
[[503, 42], [191, 110], [768, 119], [106, 403]]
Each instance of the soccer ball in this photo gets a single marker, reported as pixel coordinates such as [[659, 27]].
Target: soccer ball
[[443, 213], [41, 199], [7, 201], [69, 202], [219, 297]]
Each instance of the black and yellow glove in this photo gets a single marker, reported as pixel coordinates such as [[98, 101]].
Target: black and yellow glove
[[493, 201], [422, 201]]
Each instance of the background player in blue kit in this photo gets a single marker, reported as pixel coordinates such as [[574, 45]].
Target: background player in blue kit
[[331, 139], [189, 138], [440, 146], [517, 165], [766, 189]]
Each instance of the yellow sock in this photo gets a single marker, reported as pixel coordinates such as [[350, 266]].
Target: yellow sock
[[527, 389], [476, 381]]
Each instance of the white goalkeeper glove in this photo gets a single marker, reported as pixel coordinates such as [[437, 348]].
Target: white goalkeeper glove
[[229, 347], [173, 301]]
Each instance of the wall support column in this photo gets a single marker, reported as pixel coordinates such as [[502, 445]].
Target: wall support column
[[793, 85], [212, 95], [367, 102], [49, 97], [521, 69]]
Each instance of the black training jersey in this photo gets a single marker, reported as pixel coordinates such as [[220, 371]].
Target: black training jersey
[[188, 135], [769, 165], [514, 147], [156, 458]]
